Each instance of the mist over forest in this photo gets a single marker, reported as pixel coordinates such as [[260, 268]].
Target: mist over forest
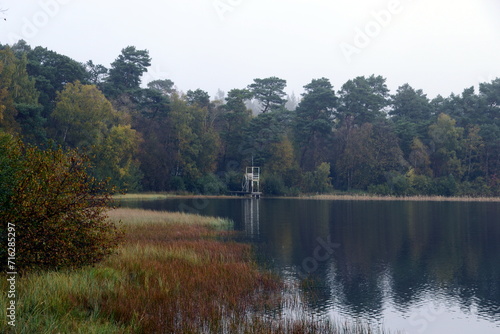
[[154, 137]]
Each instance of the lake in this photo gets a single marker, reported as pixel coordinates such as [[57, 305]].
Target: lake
[[418, 267]]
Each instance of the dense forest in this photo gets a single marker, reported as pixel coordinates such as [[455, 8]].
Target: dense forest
[[157, 138]]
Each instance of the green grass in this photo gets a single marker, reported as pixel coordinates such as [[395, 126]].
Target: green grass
[[142, 196], [172, 274], [53, 302]]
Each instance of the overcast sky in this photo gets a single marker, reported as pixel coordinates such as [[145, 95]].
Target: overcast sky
[[439, 46]]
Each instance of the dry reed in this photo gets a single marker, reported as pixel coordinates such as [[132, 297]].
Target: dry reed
[[182, 277], [401, 198], [172, 274]]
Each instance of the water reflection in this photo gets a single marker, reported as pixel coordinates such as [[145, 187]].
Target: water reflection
[[425, 267], [251, 216], [421, 261]]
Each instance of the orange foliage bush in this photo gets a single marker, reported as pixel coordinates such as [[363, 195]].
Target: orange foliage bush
[[58, 210]]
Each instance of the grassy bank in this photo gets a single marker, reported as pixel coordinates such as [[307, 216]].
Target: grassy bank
[[174, 273], [143, 196], [338, 197], [155, 196]]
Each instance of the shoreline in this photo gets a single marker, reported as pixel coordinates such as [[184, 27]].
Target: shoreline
[[336, 197], [400, 198], [173, 272]]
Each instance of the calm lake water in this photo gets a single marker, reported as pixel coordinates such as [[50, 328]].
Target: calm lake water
[[418, 267]]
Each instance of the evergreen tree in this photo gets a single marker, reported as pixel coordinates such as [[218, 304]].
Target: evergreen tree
[[363, 100], [313, 122], [126, 71], [411, 114], [52, 71], [269, 92]]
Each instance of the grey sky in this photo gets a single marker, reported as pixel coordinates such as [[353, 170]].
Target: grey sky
[[439, 46]]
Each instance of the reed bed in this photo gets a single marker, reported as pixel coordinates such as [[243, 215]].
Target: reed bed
[[139, 218], [346, 197], [401, 198], [143, 196], [173, 273], [156, 196]]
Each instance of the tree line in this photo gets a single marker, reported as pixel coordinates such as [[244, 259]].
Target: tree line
[[359, 137]]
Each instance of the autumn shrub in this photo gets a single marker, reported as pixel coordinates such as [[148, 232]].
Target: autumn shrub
[[7, 170], [57, 209]]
